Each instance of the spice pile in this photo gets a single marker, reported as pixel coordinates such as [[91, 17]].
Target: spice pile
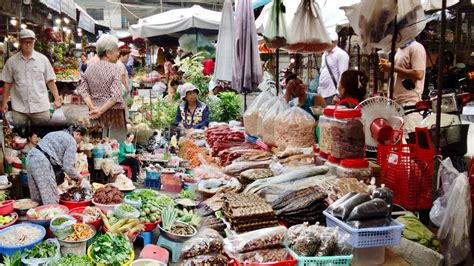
[[222, 137], [190, 152], [248, 212]]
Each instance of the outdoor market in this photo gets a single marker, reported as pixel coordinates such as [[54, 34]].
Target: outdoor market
[[246, 132]]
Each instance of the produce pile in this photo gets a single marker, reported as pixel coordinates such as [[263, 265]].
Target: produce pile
[[6, 219], [220, 138], [171, 224], [111, 250], [76, 194], [122, 225], [247, 212], [45, 213], [416, 231], [81, 232], [306, 205], [71, 259], [43, 250], [108, 195], [68, 75]]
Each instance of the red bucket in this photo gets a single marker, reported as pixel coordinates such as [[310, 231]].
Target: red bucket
[[75, 204], [96, 223]]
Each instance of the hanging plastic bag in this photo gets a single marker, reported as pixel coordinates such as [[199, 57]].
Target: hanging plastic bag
[[62, 225], [58, 116], [453, 233], [308, 34], [263, 110], [268, 121], [294, 128], [43, 261], [275, 34], [251, 114]]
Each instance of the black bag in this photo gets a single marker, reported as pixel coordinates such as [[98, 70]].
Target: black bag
[[57, 169]]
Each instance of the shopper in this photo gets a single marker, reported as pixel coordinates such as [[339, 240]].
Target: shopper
[[410, 66], [57, 150], [128, 157], [100, 87], [296, 95], [83, 64], [32, 139], [26, 76], [123, 59], [353, 84], [191, 113], [333, 63], [169, 68]]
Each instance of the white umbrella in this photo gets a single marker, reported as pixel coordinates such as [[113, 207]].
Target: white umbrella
[[225, 44]]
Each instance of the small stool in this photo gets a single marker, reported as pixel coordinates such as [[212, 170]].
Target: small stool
[[153, 252], [76, 99], [174, 247], [128, 170], [146, 237]]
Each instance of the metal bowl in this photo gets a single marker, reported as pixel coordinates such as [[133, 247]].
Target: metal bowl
[[175, 237], [22, 212]]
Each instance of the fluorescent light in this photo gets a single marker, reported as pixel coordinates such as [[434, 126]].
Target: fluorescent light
[[58, 21], [23, 26], [14, 21], [66, 20]]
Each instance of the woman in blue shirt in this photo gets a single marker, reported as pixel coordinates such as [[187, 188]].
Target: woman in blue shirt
[[191, 113], [296, 95]]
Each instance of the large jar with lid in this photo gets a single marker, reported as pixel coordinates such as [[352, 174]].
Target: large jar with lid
[[325, 135], [347, 130], [354, 168]]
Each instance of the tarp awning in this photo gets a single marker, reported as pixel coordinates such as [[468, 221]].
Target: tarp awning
[[86, 22], [68, 7], [52, 4]]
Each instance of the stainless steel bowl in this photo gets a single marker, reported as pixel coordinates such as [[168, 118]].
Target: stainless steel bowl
[[175, 237], [22, 212]]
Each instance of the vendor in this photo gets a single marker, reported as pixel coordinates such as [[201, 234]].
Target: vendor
[[353, 84], [191, 113], [128, 157], [296, 95], [33, 139], [58, 148]]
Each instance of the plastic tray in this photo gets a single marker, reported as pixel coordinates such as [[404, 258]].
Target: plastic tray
[[153, 183], [321, 261], [369, 237], [8, 251]]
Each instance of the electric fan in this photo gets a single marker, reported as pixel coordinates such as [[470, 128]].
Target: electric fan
[[380, 117]]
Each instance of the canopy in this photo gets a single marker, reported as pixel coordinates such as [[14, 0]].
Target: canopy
[[177, 20], [225, 44]]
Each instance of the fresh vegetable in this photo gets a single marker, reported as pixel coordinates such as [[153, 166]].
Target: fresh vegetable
[[190, 217], [416, 231], [72, 259], [186, 194], [5, 219], [227, 107], [46, 213], [182, 229], [150, 212], [3, 195], [60, 221], [124, 226], [126, 207], [14, 260], [165, 200], [168, 217], [111, 250], [42, 250]]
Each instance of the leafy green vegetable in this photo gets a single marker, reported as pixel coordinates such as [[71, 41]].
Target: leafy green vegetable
[[186, 195], [111, 250], [126, 207], [72, 259], [42, 250], [164, 200], [14, 260], [144, 195], [3, 195], [227, 107], [60, 221]]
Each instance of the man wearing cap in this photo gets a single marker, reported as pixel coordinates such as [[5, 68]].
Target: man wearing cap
[[191, 113], [26, 76], [334, 62]]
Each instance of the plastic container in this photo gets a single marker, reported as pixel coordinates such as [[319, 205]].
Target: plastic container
[[6, 207], [151, 226], [45, 222], [89, 254], [325, 135], [152, 183], [151, 174], [354, 168], [369, 237], [105, 208], [369, 256], [75, 247], [95, 223], [332, 163], [15, 216], [8, 250], [347, 130], [75, 204], [321, 261]]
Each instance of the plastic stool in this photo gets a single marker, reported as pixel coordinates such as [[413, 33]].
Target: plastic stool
[[128, 171], [146, 237], [174, 247], [153, 252]]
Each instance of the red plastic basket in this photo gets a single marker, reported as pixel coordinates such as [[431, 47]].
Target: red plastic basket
[[407, 169]]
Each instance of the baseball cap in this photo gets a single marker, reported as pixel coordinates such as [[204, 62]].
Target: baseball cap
[[333, 36], [26, 33]]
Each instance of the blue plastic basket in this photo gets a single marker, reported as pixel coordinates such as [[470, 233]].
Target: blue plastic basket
[[321, 261], [369, 237], [152, 174], [152, 183], [8, 251]]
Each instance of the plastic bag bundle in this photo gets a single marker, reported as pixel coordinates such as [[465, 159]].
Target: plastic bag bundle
[[255, 240], [344, 209], [294, 128], [268, 121], [251, 115], [262, 111], [43, 261], [206, 242], [276, 38], [308, 33], [63, 229], [372, 209]]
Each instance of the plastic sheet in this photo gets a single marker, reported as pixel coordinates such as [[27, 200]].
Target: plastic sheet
[[58, 116], [267, 131], [344, 210]]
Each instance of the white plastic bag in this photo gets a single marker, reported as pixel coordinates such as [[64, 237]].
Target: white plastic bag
[[268, 121], [43, 261], [64, 229], [446, 174], [120, 213], [276, 38], [58, 116], [308, 33], [258, 239], [261, 114], [251, 114], [295, 128]]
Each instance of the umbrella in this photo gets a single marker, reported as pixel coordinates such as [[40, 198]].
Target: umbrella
[[246, 70], [225, 47]]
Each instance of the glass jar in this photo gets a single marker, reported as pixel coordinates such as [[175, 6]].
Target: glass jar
[[333, 164], [325, 136], [354, 168], [347, 130]]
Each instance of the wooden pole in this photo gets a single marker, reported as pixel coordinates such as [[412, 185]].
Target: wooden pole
[[392, 56]]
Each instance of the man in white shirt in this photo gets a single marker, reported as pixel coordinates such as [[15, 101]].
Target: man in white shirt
[[334, 63], [26, 76]]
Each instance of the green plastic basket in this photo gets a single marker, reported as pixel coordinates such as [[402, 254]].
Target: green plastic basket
[[321, 261]]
